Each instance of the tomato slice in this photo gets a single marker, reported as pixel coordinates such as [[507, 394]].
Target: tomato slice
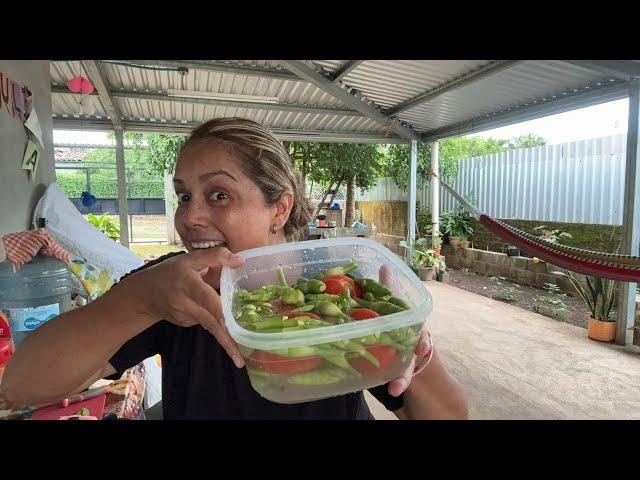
[[336, 283], [274, 363], [342, 278], [385, 354], [362, 314], [280, 308]]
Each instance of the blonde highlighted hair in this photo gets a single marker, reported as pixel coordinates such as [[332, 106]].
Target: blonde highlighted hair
[[265, 161]]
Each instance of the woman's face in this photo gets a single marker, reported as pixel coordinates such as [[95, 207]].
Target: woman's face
[[219, 205]]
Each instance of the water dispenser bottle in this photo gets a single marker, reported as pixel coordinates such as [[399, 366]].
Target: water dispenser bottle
[[37, 292]]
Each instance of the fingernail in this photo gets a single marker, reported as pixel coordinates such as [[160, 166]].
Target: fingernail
[[237, 359]]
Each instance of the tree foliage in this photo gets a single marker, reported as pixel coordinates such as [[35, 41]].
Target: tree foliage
[[450, 151]]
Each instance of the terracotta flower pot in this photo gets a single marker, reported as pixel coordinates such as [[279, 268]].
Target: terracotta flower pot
[[464, 244], [601, 331], [436, 251], [454, 241], [426, 274]]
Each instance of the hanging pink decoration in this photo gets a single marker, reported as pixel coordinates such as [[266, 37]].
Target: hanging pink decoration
[[80, 84]]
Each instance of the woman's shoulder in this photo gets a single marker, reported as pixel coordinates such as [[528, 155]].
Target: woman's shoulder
[[155, 262]]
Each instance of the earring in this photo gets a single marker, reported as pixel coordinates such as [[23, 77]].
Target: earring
[[273, 228]]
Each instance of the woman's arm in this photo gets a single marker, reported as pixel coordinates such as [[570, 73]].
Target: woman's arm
[[72, 350], [434, 395]]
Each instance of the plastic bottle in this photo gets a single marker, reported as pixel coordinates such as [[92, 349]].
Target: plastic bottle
[[39, 291]]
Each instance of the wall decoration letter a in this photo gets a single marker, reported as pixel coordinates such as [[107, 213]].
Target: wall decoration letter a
[[4, 92]]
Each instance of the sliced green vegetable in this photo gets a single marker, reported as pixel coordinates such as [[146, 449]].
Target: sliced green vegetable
[[319, 376]]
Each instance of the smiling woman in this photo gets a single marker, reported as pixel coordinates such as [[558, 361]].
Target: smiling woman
[[237, 189]]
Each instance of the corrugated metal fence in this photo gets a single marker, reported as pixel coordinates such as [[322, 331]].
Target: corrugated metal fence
[[581, 182]]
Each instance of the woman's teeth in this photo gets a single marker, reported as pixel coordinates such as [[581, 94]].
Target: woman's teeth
[[206, 244]]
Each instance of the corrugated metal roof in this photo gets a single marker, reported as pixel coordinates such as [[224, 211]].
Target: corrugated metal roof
[[524, 83], [387, 83]]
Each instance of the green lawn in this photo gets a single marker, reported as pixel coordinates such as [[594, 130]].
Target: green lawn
[[142, 250], [146, 228]]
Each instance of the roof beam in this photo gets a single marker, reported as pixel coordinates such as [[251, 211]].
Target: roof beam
[[345, 69], [622, 69], [564, 103], [62, 123], [351, 100], [163, 97], [99, 78], [459, 82], [222, 68]]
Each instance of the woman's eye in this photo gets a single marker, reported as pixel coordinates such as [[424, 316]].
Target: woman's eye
[[218, 196], [183, 197]]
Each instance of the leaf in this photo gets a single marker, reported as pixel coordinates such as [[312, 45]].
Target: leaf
[[105, 282]]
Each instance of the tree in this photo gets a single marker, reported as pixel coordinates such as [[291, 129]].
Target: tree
[[450, 151], [304, 155], [136, 158], [354, 165], [163, 151]]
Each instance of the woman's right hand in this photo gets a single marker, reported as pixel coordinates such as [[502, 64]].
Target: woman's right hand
[[176, 291]]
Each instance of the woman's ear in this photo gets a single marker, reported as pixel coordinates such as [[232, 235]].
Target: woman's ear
[[283, 209]]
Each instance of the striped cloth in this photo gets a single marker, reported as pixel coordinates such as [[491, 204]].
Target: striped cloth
[[21, 247]]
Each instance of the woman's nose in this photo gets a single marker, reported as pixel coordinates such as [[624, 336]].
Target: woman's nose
[[196, 215]]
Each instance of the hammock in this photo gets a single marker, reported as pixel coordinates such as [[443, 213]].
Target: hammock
[[625, 268]]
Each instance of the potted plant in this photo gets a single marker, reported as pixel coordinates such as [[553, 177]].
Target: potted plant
[[436, 244], [455, 224], [513, 251], [424, 260], [599, 298], [463, 241], [427, 263]]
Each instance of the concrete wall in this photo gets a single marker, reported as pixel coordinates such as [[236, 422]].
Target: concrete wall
[[18, 194], [520, 270], [390, 218]]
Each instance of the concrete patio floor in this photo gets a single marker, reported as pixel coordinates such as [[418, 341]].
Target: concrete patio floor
[[516, 364]]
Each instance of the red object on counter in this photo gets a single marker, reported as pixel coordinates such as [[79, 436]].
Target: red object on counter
[[6, 350], [5, 332], [95, 406]]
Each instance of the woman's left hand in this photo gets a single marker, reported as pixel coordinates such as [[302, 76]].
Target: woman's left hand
[[422, 351]]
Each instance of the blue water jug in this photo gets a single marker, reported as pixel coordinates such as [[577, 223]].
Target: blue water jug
[[39, 291]]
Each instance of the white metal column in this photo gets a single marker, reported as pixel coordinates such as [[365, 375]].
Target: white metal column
[[631, 216], [435, 188], [168, 207], [411, 206], [122, 188]]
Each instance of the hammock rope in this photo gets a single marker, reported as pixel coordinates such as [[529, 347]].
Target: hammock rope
[[611, 266]]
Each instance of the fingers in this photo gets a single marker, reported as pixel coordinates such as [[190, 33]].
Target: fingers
[[207, 310], [399, 385], [214, 257], [385, 275], [206, 297], [217, 328], [422, 348]]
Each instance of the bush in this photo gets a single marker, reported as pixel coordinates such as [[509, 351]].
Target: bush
[[73, 184]]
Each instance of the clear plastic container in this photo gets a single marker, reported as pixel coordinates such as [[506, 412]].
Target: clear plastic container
[[305, 365]]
